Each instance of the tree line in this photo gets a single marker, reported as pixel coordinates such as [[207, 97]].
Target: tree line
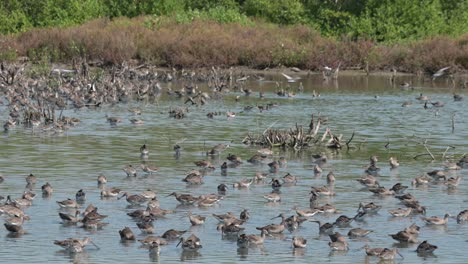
[[378, 20]]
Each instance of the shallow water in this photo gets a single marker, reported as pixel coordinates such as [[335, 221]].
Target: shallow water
[[369, 106]]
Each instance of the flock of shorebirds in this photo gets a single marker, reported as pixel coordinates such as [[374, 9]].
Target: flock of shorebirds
[[230, 225]]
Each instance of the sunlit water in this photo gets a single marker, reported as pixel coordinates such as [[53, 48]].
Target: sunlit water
[[369, 106]]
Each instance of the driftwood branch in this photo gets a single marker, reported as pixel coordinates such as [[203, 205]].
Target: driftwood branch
[[427, 149], [349, 141]]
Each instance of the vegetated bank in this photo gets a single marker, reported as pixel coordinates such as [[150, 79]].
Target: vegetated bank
[[164, 42]]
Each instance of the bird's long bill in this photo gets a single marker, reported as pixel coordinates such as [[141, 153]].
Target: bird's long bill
[[361, 248], [275, 217], [180, 241], [400, 254], [94, 244], [359, 208], [121, 196]]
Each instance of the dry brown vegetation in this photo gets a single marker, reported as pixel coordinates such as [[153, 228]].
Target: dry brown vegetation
[[205, 43]]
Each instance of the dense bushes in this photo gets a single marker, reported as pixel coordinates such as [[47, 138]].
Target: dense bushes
[[379, 20], [165, 42]]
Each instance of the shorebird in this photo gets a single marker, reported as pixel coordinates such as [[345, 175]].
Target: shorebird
[[20, 203], [134, 199], [275, 228], [393, 162], [12, 211], [80, 196], [437, 174], [152, 239], [275, 184], [451, 165], [398, 188], [289, 78], [343, 220], [31, 179], [205, 164], [149, 169], [192, 243], [370, 208], [130, 170], [126, 234], [463, 162], [113, 120], [324, 190], [101, 179], [208, 200], [17, 229], [272, 197], [111, 192], [153, 203], [422, 97], [317, 170], [172, 234], [412, 229], [244, 183], [274, 166], [462, 216], [193, 177], [435, 220], [257, 240], [426, 248], [404, 236], [186, 199], [70, 219], [288, 178], [399, 212], [420, 180], [368, 181], [196, 219], [439, 73], [234, 159], [256, 159], [373, 251], [457, 97], [306, 212], [338, 242], [452, 182], [244, 215], [327, 208], [389, 254], [231, 229], [74, 245], [299, 242], [148, 194], [93, 215], [69, 203], [358, 232], [144, 151], [243, 241], [330, 177], [325, 228], [382, 191], [222, 189], [225, 217], [217, 149]]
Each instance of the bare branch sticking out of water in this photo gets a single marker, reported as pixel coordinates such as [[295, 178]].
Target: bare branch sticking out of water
[[453, 123], [420, 155], [445, 152], [427, 149], [349, 141]]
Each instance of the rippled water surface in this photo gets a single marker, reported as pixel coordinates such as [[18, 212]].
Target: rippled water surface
[[370, 107]]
